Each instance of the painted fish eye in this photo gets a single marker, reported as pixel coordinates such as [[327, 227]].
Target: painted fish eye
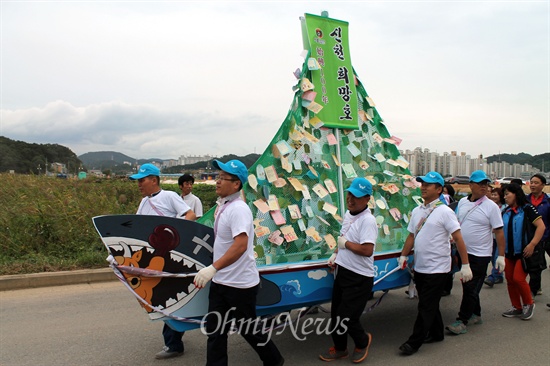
[[134, 282]]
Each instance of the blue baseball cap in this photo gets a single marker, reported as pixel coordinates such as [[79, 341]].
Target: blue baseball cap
[[479, 176], [234, 167], [431, 177], [146, 170], [360, 187]]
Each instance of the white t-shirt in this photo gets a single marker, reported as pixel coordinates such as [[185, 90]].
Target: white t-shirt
[[477, 221], [360, 229], [165, 203], [194, 202], [432, 248], [234, 219]]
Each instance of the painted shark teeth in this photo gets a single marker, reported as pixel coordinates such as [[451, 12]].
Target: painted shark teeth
[[170, 302], [181, 295], [175, 257]]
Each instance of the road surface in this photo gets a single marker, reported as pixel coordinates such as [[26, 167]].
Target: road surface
[[102, 324]]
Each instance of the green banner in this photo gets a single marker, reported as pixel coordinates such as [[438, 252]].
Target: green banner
[[331, 72]]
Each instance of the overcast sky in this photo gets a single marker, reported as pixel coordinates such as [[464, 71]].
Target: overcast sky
[[164, 79]]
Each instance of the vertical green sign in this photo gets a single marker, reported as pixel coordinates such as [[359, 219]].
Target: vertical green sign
[[334, 81]]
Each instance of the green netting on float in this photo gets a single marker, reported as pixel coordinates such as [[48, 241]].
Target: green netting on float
[[296, 202]]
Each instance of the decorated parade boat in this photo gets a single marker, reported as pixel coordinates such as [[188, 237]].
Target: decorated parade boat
[[331, 134]]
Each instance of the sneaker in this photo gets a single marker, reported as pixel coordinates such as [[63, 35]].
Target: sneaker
[[512, 313], [539, 291], [489, 281], [332, 354], [359, 354], [499, 280], [457, 327], [528, 311], [166, 353], [475, 319]]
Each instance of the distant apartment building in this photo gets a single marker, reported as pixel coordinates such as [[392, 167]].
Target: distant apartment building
[[186, 160], [169, 163], [422, 161]]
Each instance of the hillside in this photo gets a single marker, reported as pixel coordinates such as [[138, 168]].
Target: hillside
[[523, 158], [93, 159], [26, 158], [118, 163]]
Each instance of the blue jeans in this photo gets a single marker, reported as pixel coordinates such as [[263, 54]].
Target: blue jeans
[[495, 275], [470, 290], [172, 339]]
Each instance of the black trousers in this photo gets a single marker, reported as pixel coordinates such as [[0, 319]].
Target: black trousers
[[535, 277], [470, 290], [221, 301], [349, 298], [428, 320]]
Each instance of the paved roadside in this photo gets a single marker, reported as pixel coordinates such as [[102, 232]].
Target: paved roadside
[[45, 279]]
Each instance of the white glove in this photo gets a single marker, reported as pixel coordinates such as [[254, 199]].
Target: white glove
[[500, 264], [402, 262], [204, 275], [332, 260], [466, 273], [342, 242]]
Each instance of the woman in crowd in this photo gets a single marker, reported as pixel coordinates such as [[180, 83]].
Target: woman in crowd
[[497, 196], [541, 201], [523, 230]]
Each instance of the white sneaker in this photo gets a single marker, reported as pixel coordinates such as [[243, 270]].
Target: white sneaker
[[166, 353]]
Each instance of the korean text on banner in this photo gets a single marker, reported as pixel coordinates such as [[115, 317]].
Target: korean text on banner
[[334, 81]]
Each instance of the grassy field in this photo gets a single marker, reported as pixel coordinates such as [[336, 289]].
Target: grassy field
[[46, 223]]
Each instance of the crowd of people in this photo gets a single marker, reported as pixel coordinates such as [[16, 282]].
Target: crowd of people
[[497, 225]]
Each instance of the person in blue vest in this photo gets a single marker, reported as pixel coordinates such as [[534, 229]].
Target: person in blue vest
[[541, 201], [523, 230]]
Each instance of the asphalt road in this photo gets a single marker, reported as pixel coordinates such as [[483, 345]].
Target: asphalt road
[[102, 324]]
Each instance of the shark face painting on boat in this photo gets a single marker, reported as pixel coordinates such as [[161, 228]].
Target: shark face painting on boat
[[332, 134]]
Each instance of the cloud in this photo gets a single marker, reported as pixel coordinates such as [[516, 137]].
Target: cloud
[[318, 274], [137, 130], [171, 78]]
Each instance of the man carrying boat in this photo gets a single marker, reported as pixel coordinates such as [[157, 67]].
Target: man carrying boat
[[479, 218], [429, 228], [235, 278], [159, 202], [354, 274]]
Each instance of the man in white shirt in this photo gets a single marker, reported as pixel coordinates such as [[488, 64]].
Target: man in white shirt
[[479, 218], [354, 274], [186, 182], [430, 227], [235, 278], [158, 202]]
